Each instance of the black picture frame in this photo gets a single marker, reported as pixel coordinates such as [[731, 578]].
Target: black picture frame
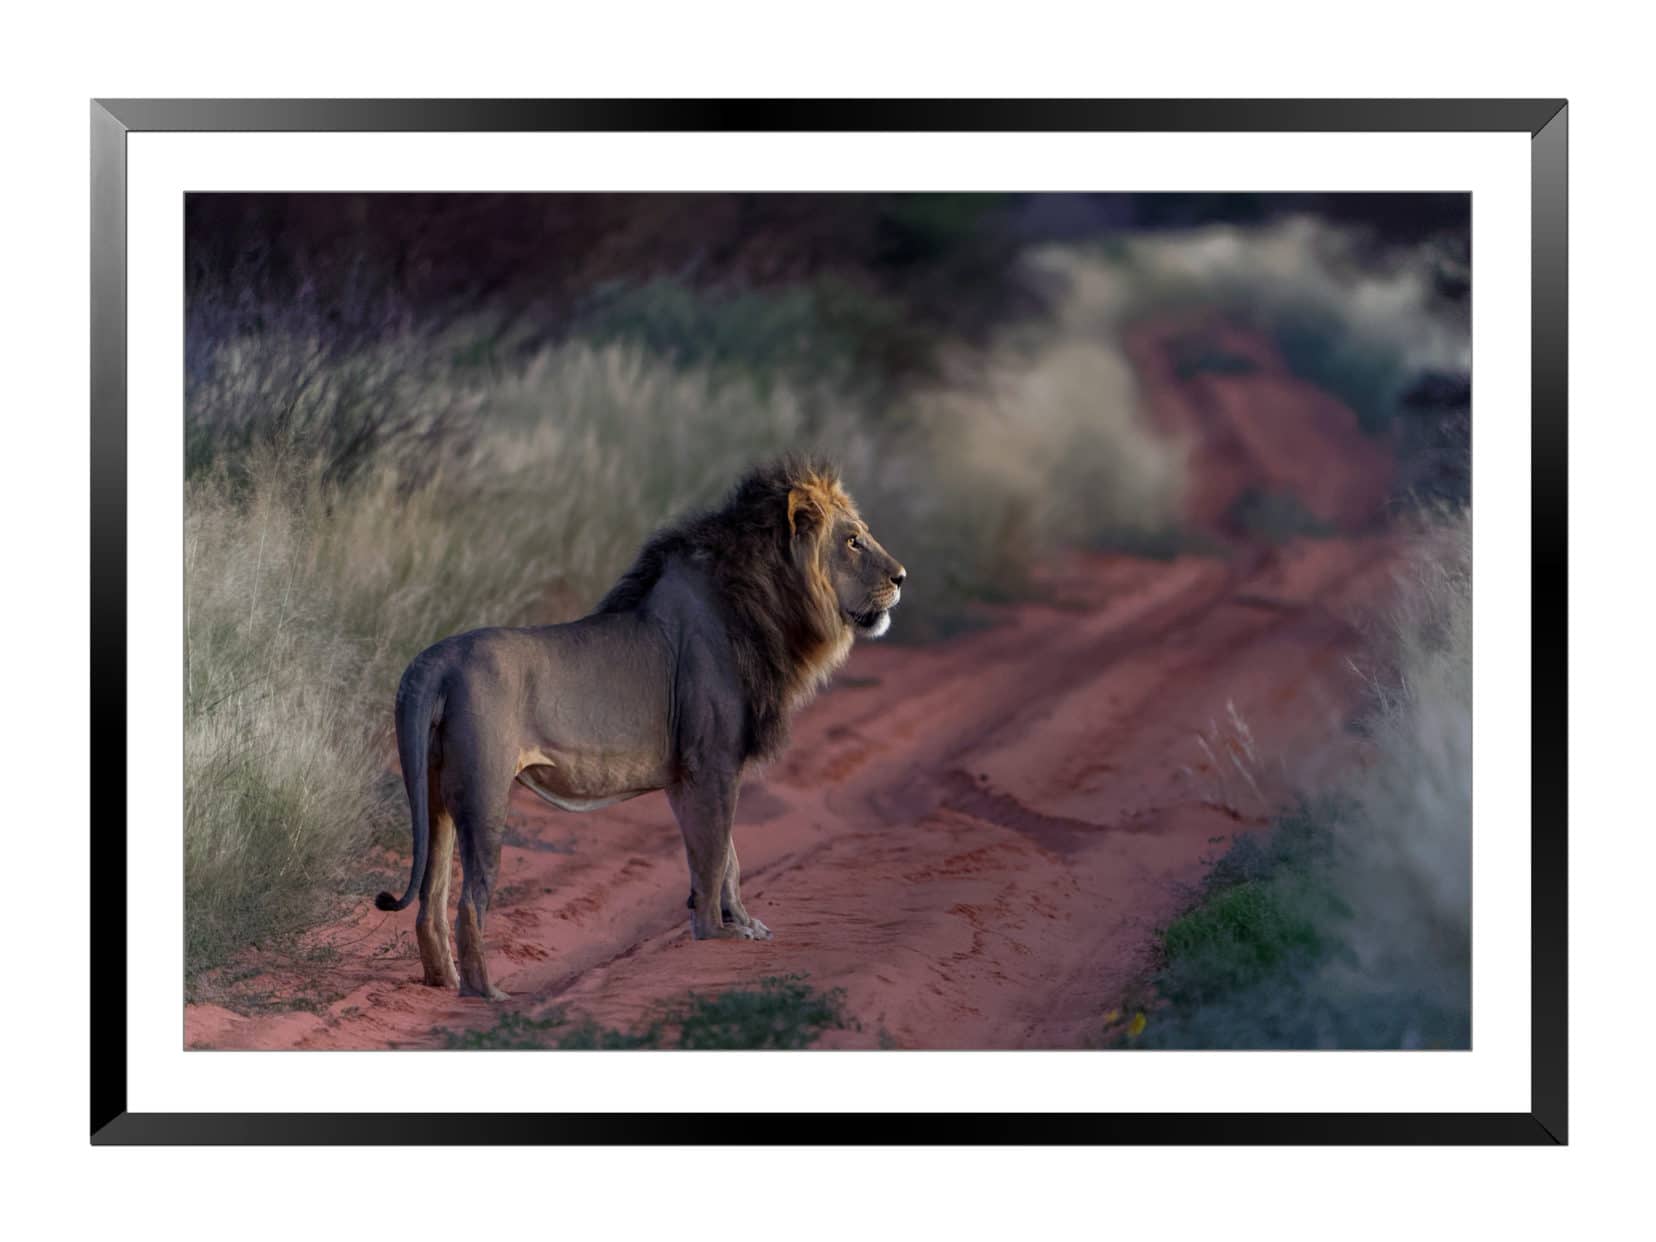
[[1546, 122]]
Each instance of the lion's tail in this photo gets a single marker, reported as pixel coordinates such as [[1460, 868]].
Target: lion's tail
[[419, 700]]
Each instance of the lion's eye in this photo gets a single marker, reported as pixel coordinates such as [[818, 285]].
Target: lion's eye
[[854, 543]]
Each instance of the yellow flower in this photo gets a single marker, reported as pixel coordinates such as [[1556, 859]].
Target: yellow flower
[[1135, 1028]]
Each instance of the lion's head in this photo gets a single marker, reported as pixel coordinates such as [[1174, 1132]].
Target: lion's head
[[839, 555], [797, 573]]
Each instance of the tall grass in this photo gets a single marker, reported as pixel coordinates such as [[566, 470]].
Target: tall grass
[[1350, 925], [288, 380], [309, 588]]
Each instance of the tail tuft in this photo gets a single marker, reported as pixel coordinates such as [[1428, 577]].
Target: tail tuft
[[385, 901]]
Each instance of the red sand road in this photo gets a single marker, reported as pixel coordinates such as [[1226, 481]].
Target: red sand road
[[976, 840]]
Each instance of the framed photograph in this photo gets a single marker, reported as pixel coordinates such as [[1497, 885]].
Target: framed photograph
[[1037, 536]]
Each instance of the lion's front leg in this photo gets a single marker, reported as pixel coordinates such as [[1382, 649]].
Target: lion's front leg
[[731, 899], [705, 810]]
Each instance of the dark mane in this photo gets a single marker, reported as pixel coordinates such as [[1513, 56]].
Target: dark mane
[[782, 622]]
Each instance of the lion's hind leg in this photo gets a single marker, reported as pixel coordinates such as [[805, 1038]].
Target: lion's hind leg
[[431, 926], [480, 825]]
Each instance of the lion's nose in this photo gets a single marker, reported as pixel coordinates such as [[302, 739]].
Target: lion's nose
[[898, 577]]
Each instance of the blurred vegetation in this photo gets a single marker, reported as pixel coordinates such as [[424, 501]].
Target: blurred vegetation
[[1273, 516], [826, 330], [1385, 330]]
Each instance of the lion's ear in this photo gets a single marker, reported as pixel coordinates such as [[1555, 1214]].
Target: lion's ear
[[804, 512]]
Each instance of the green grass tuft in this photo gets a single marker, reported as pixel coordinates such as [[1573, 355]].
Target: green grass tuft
[[783, 1012]]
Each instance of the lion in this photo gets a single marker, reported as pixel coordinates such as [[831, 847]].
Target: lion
[[685, 674]]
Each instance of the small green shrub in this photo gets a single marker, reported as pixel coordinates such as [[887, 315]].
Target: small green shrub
[[1239, 936], [511, 1031], [780, 1012]]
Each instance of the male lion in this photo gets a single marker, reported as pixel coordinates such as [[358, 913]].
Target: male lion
[[686, 672]]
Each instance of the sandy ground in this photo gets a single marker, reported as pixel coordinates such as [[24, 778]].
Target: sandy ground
[[975, 840]]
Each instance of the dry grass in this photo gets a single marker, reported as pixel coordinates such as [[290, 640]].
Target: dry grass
[[1232, 762]]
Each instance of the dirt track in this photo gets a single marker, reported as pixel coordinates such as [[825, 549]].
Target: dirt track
[[975, 840]]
